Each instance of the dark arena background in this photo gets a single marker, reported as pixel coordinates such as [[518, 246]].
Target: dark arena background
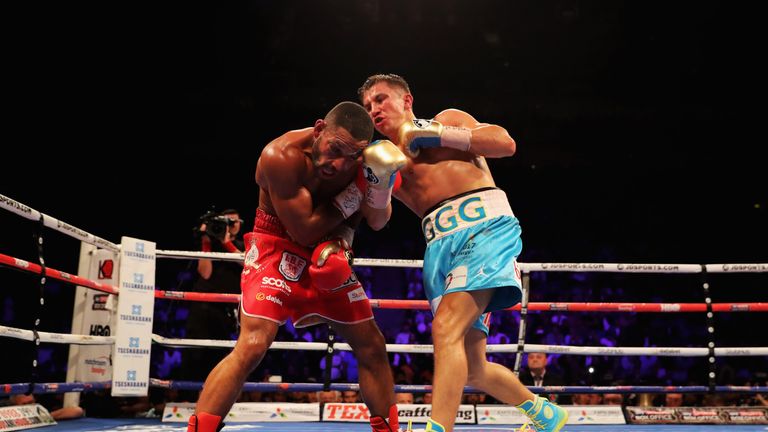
[[638, 137]]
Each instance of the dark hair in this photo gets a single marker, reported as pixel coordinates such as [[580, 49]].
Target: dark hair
[[391, 79], [229, 212], [352, 117]]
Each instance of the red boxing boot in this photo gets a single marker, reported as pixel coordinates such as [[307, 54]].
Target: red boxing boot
[[204, 422], [378, 424]]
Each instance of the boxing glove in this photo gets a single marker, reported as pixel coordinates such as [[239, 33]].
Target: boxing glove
[[421, 133], [331, 264], [382, 162]]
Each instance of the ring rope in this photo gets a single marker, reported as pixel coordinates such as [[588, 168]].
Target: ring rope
[[414, 388], [492, 348], [644, 268], [77, 233], [27, 266], [48, 337], [221, 256], [64, 387], [401, 304], [595, 307], [524, 267], [29, 213]]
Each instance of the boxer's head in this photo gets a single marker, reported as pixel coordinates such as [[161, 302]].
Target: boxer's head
[[388, 100], [340, 139]]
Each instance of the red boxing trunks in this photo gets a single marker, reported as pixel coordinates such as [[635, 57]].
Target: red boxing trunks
[[276, 284]]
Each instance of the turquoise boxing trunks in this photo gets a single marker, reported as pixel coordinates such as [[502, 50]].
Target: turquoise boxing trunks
[[473, 241]]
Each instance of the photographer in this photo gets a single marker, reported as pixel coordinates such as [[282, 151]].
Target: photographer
[[217, 232]]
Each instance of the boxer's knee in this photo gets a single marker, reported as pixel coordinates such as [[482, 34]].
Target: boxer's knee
[[250, 351], [254, 352], [445, 329]]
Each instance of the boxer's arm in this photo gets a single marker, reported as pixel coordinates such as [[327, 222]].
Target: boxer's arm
[[458, 129], [283, 171], [345, 230], [376, 218]]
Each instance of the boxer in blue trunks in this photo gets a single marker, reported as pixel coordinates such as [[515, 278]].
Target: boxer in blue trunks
[[473, 240]]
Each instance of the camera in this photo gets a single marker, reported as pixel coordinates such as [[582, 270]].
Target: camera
[[216, 225]]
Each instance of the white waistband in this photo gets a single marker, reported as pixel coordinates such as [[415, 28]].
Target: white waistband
[[463, 212]]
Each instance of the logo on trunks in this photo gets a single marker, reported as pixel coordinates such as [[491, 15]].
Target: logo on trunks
[[468, 248], [279, 284], [457, 278], [481, 272], [357, 295], [252, 255], [487, 319], [273, 299], [469, 210], [292, 266]]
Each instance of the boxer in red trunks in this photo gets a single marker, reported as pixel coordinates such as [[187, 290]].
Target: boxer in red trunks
[[315, 185]]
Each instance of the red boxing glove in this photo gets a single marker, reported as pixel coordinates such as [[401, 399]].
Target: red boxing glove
[[331, 264]]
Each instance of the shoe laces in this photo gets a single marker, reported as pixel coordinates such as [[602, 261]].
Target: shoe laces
[[538, 425], [526, 427]]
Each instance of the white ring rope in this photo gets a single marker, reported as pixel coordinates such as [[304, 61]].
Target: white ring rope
[[397, 348], [526, 267], [644, 268], [221, 256], [493, 348], [77, 233], [29, 335], [55, 224]]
